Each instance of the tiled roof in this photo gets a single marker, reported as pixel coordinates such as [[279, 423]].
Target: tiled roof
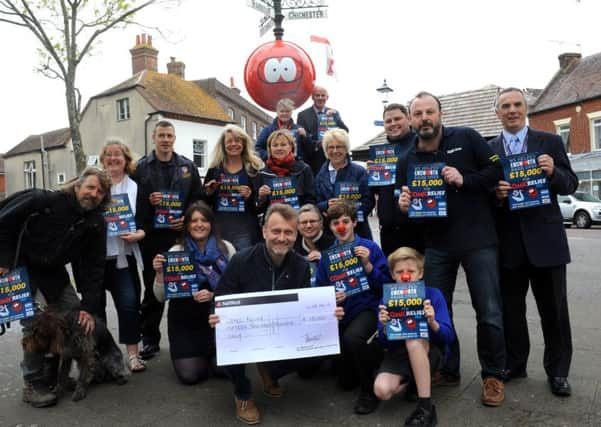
[[214, 86], [53, 139], [169, 93], [578, 81], [473, 108]]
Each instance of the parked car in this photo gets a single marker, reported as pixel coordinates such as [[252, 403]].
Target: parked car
[[581, 209]]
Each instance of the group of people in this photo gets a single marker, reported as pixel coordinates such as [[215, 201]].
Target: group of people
[[243, 236]]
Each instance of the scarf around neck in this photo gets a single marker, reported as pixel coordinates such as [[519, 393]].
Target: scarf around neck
[[211, 263], [281, 167]]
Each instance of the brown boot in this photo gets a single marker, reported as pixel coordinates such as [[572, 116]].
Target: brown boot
[[271, 388], [493, 391], [247, 412]]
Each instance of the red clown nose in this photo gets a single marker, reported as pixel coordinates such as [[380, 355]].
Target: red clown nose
[[405, 276], [341, 228]]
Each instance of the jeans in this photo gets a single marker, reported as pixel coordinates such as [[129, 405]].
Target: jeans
[[124, 286], [481, 270], [32, 365]]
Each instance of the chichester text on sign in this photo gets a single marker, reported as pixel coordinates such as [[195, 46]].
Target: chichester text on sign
[[317, 13]]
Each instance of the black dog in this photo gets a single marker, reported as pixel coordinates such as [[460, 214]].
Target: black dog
[[97, 355]]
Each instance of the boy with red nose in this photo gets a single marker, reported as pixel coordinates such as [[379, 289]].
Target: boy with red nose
[[413, 360], [359, 359]]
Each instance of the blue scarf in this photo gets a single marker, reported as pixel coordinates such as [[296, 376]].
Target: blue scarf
[[211, 264]]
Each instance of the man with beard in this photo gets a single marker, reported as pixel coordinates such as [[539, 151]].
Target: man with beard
[[395, 229], [317, 120], [42, 231], [162, 171], [534, 248], [466, 236]]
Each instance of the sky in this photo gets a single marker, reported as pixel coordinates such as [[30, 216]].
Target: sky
[[442, 46]]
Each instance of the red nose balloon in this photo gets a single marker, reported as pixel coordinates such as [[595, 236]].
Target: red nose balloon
[[276, 70], [341, 228], [405, 276]]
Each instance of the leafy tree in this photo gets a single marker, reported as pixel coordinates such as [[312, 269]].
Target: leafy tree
[[67, 31]]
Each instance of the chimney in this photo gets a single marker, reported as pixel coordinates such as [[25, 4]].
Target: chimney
[[233, 86], [143, 55], [565, 59], [176, 67]]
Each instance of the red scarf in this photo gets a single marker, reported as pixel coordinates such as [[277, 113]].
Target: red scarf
[[281, 167], [287, 126]]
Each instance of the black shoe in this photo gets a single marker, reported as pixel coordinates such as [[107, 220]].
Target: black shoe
[[149, 351], [422, 417], [560, 386], [366, 403], [446, 380], [510, 374], [38, 395]]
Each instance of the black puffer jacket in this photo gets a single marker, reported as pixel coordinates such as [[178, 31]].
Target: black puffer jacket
[[251, 270], [57, 232]]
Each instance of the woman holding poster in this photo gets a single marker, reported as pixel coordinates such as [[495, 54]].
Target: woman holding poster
[[357, 268], [341, 179], [284, 179], [229, 187], [191, 339], [123, 270]]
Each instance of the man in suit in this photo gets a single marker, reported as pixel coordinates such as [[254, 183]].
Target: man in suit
[[317, 120], [534, 248]]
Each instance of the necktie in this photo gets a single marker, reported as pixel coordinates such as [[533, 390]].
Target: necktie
[[514, 145]]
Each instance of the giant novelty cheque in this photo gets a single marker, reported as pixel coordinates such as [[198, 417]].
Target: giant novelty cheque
[[276, 325]]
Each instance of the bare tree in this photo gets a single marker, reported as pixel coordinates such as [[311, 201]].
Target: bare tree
[[67, 30]]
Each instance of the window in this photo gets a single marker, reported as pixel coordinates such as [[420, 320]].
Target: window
[[61, 177], [200, 152], [29, 172], [254, 130], [243, 122], [596, 133], [123, 109], [562, 128], [230, 113], [595, 129]]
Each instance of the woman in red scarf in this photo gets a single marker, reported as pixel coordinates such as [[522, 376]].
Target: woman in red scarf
[[284, 179]]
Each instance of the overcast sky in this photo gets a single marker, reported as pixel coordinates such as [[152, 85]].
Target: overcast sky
[[443, 46]]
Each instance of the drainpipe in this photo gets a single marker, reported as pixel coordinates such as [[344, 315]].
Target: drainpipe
[[148, 117]]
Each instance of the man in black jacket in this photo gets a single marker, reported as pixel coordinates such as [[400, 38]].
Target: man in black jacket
[[534, 248], [467, 236], [161, 171], [57, 228], [316, 120], [395, 229], [268, 266]]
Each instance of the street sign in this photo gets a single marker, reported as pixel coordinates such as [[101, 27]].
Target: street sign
[[307, 13], [262, 6], [378, 122], [265, 25]]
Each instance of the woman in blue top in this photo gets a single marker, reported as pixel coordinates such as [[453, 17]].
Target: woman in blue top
[[339, 170], [191, 339], [229, 187], [357, 363], [283, 120]]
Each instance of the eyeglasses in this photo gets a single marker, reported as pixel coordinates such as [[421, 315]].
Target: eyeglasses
[[310, 221], [336, 147]]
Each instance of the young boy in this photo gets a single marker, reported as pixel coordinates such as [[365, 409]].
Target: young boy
[[417, 356]]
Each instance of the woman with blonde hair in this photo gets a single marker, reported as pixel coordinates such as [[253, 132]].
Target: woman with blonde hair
[[123, 257], [229, 187]]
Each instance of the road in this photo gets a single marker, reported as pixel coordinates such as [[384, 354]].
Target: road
[[155, 398]]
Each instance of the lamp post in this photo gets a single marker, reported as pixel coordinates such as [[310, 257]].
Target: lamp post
[[384, 90]]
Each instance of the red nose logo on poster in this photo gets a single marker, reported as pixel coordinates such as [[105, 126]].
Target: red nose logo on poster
[[279, 69]]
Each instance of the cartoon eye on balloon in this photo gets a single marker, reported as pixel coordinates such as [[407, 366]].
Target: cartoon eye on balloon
[[276, 70]]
